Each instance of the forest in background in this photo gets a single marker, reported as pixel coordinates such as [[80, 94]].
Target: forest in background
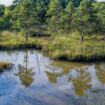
[[54, 16]]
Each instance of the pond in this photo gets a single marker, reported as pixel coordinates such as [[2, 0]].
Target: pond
[[38, 80]]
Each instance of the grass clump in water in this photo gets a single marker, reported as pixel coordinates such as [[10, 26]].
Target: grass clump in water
[[5, 66]]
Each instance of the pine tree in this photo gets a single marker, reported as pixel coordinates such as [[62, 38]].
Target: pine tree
[[84, 18], [101, 17], [26, 16], [54, 14], [67, 18]]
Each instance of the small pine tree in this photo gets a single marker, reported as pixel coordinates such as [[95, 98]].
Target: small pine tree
[[84, 18], [54, 14]]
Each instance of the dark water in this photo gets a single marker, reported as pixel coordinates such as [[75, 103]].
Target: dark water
[[37, 80]]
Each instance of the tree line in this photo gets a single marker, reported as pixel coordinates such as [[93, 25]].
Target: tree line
[[87, 17]]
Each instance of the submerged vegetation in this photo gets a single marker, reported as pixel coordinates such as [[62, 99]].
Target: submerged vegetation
[[63, 29]]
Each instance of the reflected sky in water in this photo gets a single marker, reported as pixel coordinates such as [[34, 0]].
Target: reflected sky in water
[[37, 80]]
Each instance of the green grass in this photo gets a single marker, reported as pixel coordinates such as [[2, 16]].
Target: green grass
[[70, 48], [11, 41]]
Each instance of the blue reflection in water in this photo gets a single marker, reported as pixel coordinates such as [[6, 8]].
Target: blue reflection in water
[[37, 80]]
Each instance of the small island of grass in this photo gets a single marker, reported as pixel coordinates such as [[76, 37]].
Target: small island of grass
[[5, 66]]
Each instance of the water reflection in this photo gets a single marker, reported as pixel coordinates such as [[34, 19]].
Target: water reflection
[[67, 66], [59, 69], [101, 72], [81, 83], [53, 76], [83, 77], [50, 82], [25, 74]]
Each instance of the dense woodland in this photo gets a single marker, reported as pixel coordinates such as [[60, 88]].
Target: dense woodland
[[54, 16]]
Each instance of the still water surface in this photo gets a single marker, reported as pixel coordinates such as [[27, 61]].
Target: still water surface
[[38, 80]]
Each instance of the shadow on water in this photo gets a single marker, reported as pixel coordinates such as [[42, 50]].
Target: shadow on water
[[37, 80]]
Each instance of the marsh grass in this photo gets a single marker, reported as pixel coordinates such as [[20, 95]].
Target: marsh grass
[[59, 47], [11, 41], [69, 48]]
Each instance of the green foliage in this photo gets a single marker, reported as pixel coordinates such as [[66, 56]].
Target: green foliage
[[5, 16], [84, 16], [54, 14], [100, 8], [26, 16], [67, 18], [2, 8], [76, 3]]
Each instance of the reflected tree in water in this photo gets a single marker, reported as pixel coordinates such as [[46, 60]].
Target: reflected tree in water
[[53, 76], [54, 73], [59, 69], [25, 74], [38, 63], [100, 72], [81, 83], [67, 66]]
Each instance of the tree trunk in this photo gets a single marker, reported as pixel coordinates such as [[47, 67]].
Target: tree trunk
[[82, 39], [26, 60], [36, 36], [67, 34], [26, 38]]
